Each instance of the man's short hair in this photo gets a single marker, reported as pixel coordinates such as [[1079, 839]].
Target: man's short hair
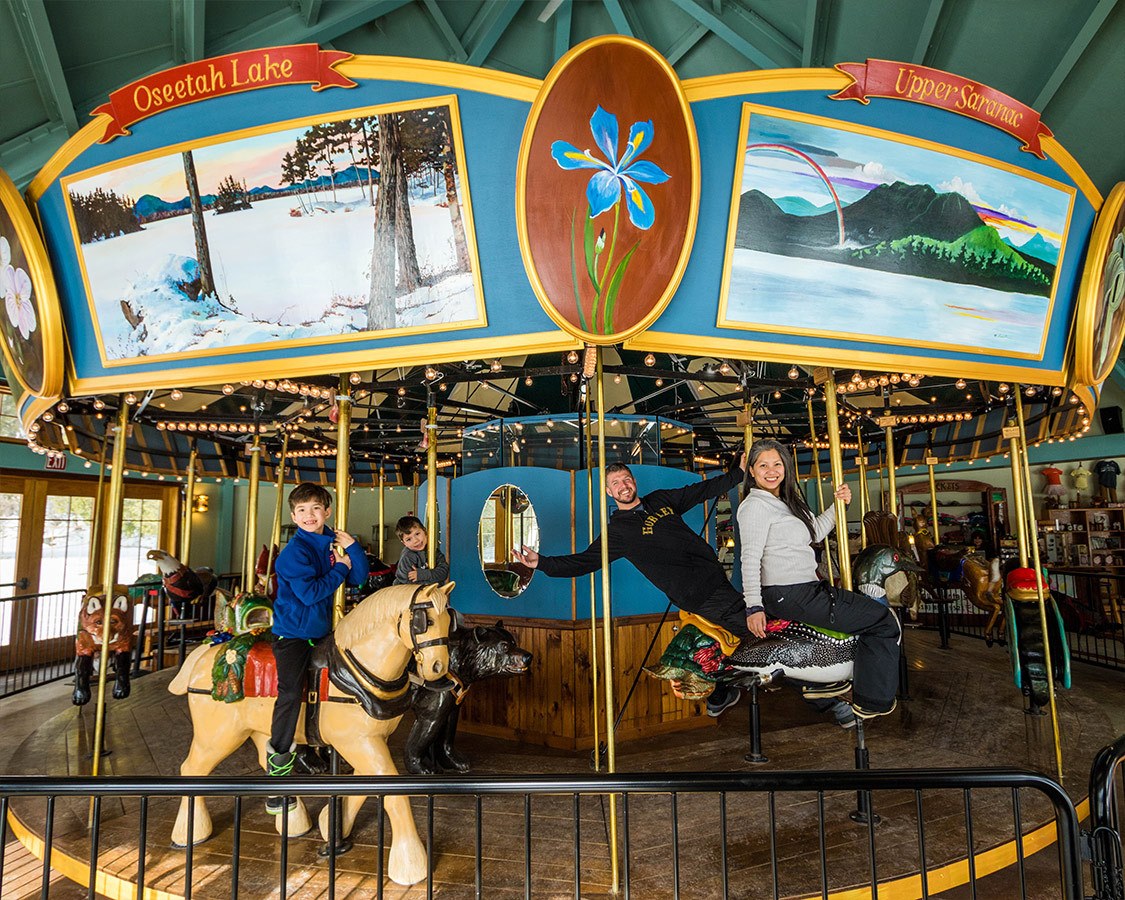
[[617, 467], [307, 492], [407, 524]]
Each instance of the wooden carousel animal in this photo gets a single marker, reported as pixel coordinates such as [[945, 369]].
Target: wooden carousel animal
[[88, 642], [361, 688], [1027, 644], [188, 589], [702, 654], [474, 655]]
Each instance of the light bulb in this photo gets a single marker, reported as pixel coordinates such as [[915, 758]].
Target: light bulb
[[176, 394], [572, 357], [228, 389], [960, 384], [650, 360], [794, 372], [355, 378], [496, 365]]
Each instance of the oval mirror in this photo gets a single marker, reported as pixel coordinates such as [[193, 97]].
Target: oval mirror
[[506, 522]]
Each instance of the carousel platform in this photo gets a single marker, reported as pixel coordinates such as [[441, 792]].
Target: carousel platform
[[963, 712]]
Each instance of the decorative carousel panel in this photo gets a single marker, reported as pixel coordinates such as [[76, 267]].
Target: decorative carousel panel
[[1101, 306], [30, 326], [899, 232], [607, 189], [304, 231]]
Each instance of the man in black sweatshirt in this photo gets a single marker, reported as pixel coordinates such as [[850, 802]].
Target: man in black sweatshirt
[[650, 533]]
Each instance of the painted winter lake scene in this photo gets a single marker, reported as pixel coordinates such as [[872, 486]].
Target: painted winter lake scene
[[353, 227], [840, 231]]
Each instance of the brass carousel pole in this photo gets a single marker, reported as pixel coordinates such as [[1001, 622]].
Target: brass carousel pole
[[931, 461], [431, 490], [864, 498], [607, 621], [1029, 503], [837, 462], [343, 488], [189, 499], [892, 490], [110, 558], [593, 591], [275, 531], [816, 457], [97, 526], [1012, 433], [748, 427], [249, 562], [382, 506]]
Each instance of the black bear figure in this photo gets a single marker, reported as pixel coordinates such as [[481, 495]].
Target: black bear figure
[[474, 654]]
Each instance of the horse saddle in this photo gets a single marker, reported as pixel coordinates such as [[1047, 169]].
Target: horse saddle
[[727, 641]]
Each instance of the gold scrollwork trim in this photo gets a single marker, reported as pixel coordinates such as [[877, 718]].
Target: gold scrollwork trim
[[521, 193], [806, 355], [332, 364]]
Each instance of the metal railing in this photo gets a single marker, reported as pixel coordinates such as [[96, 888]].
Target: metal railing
[[1091, 612], [675, 832], [37, 639], [1103, 840]]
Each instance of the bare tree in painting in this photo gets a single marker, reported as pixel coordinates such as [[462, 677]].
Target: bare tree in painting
[[202, 253], [394, 231], [451, 199]]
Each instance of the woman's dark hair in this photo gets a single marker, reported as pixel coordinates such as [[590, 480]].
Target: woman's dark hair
[[790, 493]]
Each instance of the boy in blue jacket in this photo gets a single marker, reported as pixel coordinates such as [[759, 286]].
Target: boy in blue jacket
[[308, 573]]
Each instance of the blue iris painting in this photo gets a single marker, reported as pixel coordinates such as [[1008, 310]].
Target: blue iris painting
[[613, 177]]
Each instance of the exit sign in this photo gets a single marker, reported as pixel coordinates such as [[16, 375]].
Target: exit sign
[[55, 462]]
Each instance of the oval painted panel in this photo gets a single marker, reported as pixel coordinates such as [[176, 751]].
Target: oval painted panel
[[30, 325], [1100, 320], [607, 189]]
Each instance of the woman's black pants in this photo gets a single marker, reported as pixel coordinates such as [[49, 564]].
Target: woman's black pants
[[875, 677]]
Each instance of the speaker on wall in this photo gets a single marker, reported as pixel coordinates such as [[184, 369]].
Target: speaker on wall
[[1111, 419]]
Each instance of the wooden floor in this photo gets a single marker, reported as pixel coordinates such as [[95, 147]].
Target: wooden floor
[[964, 711]]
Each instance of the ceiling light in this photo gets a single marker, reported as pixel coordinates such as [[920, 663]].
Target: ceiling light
[[572, 357], [794, 372], [650, 360], [496, 365]]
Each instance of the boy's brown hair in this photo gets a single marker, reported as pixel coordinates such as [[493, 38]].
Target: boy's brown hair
[[407, 524], [307, 491]]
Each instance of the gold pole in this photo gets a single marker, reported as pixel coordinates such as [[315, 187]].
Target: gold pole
[[607, 621], [1030, 504], [275, 531], [748, 429], [189, 495], [1012, 433], [109, 567], [864, 498], [382, 507], [892, 490], [835, 458], [431, 490], [816, 457], [931, 460], [250, 561], [96, 524], [343, 487], [593, 584]]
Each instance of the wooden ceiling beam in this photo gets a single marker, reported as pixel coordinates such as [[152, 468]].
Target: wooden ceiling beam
[[38, 41], [188, 17], [922, 48], [1073, 53], [288, 27], [457, 51], [728, 35], [497, 16]]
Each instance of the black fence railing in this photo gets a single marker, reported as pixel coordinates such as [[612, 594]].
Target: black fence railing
[[37, 639], [1104, 836], [1089, 603], [676, 833]]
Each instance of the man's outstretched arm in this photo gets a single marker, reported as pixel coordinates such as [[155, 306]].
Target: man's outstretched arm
[[570, 566], [691, 495]]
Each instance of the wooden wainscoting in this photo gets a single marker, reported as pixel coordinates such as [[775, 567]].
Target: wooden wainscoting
[[552, 704]]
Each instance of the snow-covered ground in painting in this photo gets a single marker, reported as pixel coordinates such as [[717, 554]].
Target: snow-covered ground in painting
[[278, 277], [769, 289]]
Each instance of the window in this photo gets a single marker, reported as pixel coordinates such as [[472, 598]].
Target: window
[[10, 426], [140, 532], [10, 508], [63, 564]]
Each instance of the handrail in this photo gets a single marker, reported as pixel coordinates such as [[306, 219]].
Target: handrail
[[26, 597], [1107, 859], [811, 781]]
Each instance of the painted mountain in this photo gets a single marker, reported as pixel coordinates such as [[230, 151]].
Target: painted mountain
[[909, 229]]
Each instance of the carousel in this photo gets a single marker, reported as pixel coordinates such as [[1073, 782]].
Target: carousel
[[660, 298]]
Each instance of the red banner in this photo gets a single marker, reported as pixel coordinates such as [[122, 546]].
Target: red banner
[[230, 74], [920, 84]]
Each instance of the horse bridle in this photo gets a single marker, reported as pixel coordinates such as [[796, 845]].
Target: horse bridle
[[420, 624]]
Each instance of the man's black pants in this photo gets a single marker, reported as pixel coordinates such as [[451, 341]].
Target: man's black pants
[[875, 678], [292, 655], [724, 607]]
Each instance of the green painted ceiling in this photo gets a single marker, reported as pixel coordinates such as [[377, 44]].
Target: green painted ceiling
[[1066, 58]]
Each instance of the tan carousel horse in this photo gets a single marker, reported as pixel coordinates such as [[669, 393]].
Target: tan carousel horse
[[377, 640]]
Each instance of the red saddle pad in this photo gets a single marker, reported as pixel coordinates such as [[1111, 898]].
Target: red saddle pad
[[260, 678]]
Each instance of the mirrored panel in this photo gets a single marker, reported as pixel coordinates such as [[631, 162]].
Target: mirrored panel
[[506, 522]]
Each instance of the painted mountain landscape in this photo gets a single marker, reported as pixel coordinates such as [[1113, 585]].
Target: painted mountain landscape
[[337, 229], [842, 232]]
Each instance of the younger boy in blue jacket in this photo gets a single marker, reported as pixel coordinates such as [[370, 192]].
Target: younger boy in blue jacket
[[308, 573]]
